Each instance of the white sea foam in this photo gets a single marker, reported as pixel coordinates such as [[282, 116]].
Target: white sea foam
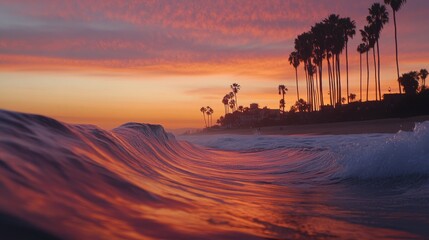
[[356, 156]]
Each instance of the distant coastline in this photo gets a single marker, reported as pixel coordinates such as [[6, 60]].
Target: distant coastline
[[387, 125]]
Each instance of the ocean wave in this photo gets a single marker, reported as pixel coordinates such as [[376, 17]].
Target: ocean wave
[[362, 156], [400, 154], [138, 181]]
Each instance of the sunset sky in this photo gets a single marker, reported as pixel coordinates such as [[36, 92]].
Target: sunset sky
[[107, 62]]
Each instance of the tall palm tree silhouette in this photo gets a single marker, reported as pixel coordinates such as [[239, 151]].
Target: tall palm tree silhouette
[[304, 47], [319, 31], [235, 87], [204, 110], [378, 17], [336, 43], [369, 40], [396, 6], [282, 91], [294, 61], [349, 27], [362, 48]]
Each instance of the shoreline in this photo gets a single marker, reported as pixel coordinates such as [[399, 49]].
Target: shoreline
[[388, 125]]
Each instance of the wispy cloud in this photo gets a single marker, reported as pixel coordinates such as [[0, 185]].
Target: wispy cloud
[[206, 36]]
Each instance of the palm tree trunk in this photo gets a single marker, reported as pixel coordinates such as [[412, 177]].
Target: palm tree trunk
[[360, 75], [330, 80], [284, 103], [236, 102], [379, 81], [307, 82], [316, 91], [205, 122], [347, 71], [396, 47], [367, 75], [339, 78], [334, 90], [320, 84], [296, 78], [375, 73]]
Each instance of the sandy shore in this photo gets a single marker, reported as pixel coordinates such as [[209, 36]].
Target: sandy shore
[[392, 125]]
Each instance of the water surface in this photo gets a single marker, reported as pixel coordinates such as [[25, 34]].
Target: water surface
[[139, 182]]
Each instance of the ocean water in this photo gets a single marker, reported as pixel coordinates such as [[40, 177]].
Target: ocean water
[[63, 181]]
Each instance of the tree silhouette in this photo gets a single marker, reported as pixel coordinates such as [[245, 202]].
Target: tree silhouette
[[302, 105], [294, 61], [204, 110], [378, 17], [225, 102], [335, 44], [304, 47], [423, 74], [235, 88], [349, 27], [321, 35], [282, 105], [396, 5], [231, 97], [410, 82], [232, 104], [282, 91], [368, 37], [362, 48], [352, 97], [209, 112]]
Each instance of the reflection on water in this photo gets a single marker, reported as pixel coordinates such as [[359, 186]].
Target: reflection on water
[[137, 182]]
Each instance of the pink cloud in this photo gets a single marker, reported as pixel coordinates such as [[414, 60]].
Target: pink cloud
[[166, 33]]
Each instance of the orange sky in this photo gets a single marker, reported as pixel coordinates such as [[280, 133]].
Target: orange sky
[[107, 62]]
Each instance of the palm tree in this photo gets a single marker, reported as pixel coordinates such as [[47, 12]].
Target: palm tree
[[304, 48], [336, 43], [361, 50], [378, 17], [349, 27], [410, 82], [396, 5], [282, 106], [204, 110], [232, 104], [282, 91], [294, 61], [209, 112], [235, 88], [423, 74], [320, 32], [240, 108], [368, 37], [231, 97], [225, 102]]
